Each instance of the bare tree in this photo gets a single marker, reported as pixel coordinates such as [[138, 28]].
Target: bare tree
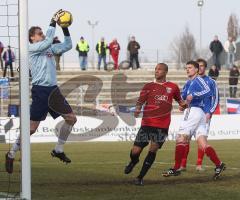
[[184, 47], [233, 27]]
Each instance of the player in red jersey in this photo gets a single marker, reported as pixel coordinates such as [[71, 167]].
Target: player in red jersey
[[157, 98]]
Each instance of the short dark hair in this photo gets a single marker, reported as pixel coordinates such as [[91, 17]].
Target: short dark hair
[[202, 61], [194, 63], [32, 31], [164, 65]]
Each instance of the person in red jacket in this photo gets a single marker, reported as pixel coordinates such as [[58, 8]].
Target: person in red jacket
[[114, 48]]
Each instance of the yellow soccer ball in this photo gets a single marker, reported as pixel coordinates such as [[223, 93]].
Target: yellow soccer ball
[[65, 20]]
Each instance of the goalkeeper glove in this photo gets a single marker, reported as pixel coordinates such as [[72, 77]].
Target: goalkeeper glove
[[56, 17]]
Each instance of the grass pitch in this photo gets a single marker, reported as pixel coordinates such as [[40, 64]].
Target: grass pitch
[[96, 173]]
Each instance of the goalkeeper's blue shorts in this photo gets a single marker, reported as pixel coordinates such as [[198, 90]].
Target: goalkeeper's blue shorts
[[46, 100]]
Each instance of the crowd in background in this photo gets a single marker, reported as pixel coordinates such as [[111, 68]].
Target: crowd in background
[[230, 48], [7, 57], [102, 49]]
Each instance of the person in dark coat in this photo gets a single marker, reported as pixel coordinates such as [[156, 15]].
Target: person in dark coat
[[233, 81], [213, 72], [9, 58], [216, 48], [133, 47], [57, 56]]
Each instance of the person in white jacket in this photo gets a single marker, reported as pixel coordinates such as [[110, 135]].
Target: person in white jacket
[[231, 48]]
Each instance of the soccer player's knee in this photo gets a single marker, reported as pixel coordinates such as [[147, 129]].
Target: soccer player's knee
[[204, 147], [136, 150], [154, 147], [71, 119], [74, 120], [181, 139], [32, 131], [202, 143]]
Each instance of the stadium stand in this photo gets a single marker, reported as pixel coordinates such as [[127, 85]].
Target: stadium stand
[[77, 96]]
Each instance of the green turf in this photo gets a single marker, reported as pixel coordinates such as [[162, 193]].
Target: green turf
[[96, 172]]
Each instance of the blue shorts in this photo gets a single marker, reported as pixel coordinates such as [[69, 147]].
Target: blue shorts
[[47, 100]]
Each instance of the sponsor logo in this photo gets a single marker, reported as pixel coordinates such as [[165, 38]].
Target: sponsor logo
[[161, 98]]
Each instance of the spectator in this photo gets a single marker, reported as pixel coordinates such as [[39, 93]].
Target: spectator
[[101, 49], [8, 57], [133, 47], [231, 48], [233, 81], [1, 50], [57, 56], [83, 49], [213, 72], [216, 49], [114, 48]]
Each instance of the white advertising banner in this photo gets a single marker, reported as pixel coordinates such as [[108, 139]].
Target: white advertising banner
[[112, 128]]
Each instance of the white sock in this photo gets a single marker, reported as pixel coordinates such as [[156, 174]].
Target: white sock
[[64, 132], [15, 148], [59, 146]]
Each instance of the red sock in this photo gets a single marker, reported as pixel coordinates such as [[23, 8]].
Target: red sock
[[200, 156], [179, 153], [184, 159], [210, 152]]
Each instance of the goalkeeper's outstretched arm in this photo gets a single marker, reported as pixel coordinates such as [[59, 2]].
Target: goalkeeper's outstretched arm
[[61, 48]]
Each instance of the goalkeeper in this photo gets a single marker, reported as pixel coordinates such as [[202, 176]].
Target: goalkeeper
[[46, 96]]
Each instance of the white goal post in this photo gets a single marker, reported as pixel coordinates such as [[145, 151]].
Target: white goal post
[[24, 100]]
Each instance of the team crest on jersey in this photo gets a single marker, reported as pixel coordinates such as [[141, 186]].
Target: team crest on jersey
[[169, 90]]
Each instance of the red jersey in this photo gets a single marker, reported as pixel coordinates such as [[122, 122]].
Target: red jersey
[[158, 99]]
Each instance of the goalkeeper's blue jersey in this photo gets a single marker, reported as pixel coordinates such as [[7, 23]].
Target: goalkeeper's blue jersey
[[42, 61], [199, 90]]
